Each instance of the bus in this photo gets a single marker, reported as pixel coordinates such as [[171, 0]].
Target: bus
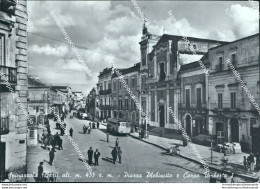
[[119, 126]]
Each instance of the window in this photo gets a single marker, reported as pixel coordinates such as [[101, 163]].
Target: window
[[233, 59], [114, 85], [133, 82], [109, 101], [120, 85], [2, 50], [220, 101], [187, 93], [162, 73], [126, 104], [198, 92], [101, 101], [233, 100], [31, 134], [105, 101], [220, 63]]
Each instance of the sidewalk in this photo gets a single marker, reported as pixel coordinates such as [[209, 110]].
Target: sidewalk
[[235, 161], [36, 154]]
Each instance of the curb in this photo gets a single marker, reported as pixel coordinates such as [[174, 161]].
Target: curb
[[198, 162]]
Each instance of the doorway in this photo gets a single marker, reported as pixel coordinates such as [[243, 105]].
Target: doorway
[[188, 125], [234, 130], [2, 161], [161, 111]]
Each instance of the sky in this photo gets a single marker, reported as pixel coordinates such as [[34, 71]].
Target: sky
[[110, 32]]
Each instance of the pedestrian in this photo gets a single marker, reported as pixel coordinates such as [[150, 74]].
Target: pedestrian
[[114, 155], [90, 156], [184, 141], [223, 179], [60, 143], [90, 124], [107, 137], [117, 143], [212, 179], [225, 160], [97, 125], [119, 154], [93, 125], [232, 178], [51, 154], [96, 157], [89, 130], [245, 162], [252, 162], [71, 131], [48, 129], [258, 161], [40, 171]]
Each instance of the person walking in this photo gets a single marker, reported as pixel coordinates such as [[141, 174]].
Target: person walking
[[40, 172], [93, 125], [252, 161], [51, 154], [60, 144], [90, 156], [223, 179], [119, 154], [117, 143], [107, 137], [184, 141], [245, 163], [96, 157], [97, 125], [71, 131], [114, 155], [258, 161]]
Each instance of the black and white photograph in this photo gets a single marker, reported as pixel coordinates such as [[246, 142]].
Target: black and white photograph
[[129, 91]]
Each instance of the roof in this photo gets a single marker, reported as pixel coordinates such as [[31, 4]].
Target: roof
[[105, 71], [167, 37], [251, 36], [135, 68]]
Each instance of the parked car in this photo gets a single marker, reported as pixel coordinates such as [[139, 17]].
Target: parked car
[[84, 116]]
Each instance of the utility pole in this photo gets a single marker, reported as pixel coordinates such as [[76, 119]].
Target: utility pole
[[211, 151]]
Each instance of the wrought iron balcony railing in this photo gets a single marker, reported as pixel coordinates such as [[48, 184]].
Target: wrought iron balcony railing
[[105, 92], [4, 125], [10, 74], [192, 105]]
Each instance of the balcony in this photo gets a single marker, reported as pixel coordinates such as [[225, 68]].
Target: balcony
[[226, 106], [192, 106], [10, 74], [105, 92], [4, 125], [104, 107]]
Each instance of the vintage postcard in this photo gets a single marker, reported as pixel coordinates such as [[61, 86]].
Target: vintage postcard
[[129, 92]]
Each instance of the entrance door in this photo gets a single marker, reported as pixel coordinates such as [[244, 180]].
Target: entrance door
[[161, 110], [234, 130], [255, 140], [188, 125], [2, 161]]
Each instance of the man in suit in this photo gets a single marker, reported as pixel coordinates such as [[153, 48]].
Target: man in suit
[[40, 172], [96, 157], [114, 155], [119, 154], [90, 156]]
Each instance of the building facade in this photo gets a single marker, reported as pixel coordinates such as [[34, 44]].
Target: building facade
[[163, 64], [104, 90], [14, 66], [232, 117], [192, 107], [123, 105]]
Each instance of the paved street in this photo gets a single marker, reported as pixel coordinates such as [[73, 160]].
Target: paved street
[[138, 159]]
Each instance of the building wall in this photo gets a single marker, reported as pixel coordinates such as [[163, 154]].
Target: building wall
[[225, 82], [16, 55]]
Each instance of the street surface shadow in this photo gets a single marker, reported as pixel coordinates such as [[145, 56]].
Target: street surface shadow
[[171, 164], [110, 160], [103, 140], [111, 147]]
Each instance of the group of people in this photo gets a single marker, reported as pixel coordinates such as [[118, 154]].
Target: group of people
[[116, 152], [92, 125], [252, 162], [90, 156]]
